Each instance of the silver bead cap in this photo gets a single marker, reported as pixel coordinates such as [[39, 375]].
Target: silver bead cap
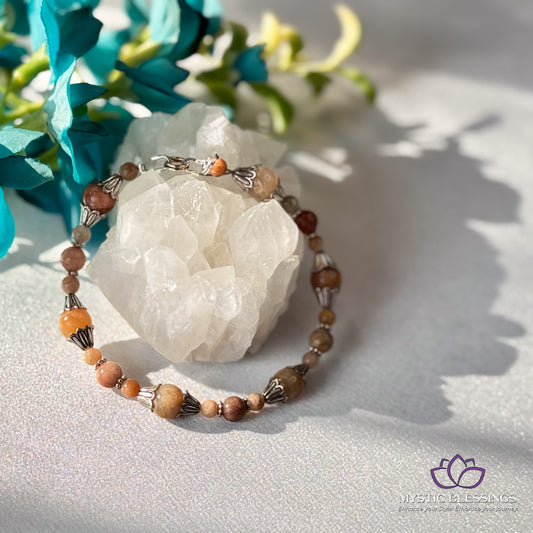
[[112, 185], [274, 392], [83, 338], [72, 302], [321, 261], [190, 406], [146, 396], [89, 217]]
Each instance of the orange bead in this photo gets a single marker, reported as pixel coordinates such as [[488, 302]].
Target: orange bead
[[219, 168], [130, 388], [91, 356], [108, 373], [72, 320]]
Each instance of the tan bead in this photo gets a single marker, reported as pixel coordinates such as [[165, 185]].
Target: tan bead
[[168, 401], [311, 359], [81, 234], [70, 284], [292, 382], [219, 168], [315, 243], [72, 320], [72, 258], [264, 184], [128, 171], [327, 316], [233, 408], [130, 388], [321, 339], [327, 277], [97, 199], [209, 408], [255, 401], [108, 373], [91, 356]]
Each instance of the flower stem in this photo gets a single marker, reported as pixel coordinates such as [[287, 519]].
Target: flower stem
[[22, 75]]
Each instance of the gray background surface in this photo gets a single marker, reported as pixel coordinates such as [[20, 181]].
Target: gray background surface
[[433, 354]]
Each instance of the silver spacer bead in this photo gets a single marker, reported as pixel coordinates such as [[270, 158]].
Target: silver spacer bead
[[324, 326], [112, 185], [72, 302], [99, 363], [274, 392], [190, 406], [315, 350], [146, 396], [89, 217], [220, 405], [83, 338], [119, 383]]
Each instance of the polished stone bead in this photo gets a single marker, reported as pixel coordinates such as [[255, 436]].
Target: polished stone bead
[[168, 401], [130, 388], [72, 258], [321, 339], [70, 284], [91, 356], [256, 401], [264, 184], [327, 316], [97, 199], [315, 243], [209, 408], [128, 171], [306, 222], [233, 408], [81, 234], [327, 277], [290, 204], [108, 373], [219, 168], [311, 359], [72, 320], [292, 382]]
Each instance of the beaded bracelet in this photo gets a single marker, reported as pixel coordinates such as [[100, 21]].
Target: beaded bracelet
[[165, 400]]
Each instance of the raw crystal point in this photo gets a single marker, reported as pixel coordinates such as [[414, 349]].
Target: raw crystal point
[[198, 268]]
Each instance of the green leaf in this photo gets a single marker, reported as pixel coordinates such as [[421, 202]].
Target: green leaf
[[238, 42], [296, 44], [318, 81], [224, 93], [361, 81], [218, 75], [280, 108]]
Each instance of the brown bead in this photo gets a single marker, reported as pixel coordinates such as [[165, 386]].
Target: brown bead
[[72, 258], [70, 284], [219, 168], [130, 388], [209, 408], [233, 408], [72, 320], [81, 234], [315, 243], [290, 204], [326, 316], [291, 381], [264, 184], [168, 401], [256, 401], [128, 171], [96, 199], [321, 339], [108, 373], [311, 359], [327, 277], [306, 222], [91, 356]]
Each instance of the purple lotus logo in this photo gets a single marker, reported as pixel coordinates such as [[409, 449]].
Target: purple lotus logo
[[457, 473]]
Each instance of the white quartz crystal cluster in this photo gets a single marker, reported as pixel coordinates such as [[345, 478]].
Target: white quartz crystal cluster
[[199, 269]]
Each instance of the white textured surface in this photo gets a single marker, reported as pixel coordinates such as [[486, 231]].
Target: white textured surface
[[196, 266], [434, 234]]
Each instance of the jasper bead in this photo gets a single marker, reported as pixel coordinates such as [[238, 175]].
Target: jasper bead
[[256, 401], [264, 184], [168, 401], [315, 243], [327, 277], [233, 408], [290, 204], [128, 171], [209, 408], [130, 388], [292, 382], [321, 339], [327, 316], [306, 222], [70, 284], [108, 373], [92, 355], [81, 234], [219, 168], [72, 320], [311, 359], [96, 199], [72, 258]]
